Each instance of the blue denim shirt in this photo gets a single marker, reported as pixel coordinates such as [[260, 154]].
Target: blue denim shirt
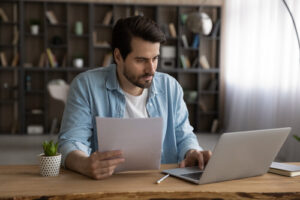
[[97, 93]]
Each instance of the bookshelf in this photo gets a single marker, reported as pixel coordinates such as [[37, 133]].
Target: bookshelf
[[82, 30]]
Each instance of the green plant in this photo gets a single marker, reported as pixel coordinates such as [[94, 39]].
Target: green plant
[[50, 149], [34, 22], [77, 56], [297, 137]]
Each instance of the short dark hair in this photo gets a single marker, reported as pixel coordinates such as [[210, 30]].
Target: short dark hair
[[137, 26]]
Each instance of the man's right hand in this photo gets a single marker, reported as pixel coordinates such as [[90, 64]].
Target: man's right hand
[[98, 165]]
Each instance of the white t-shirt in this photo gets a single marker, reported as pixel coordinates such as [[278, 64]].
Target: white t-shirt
[[136, 105]]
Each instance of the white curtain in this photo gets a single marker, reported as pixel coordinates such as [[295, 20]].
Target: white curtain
[[262, 68]]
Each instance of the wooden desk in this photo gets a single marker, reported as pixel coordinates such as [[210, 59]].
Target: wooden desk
[[24, 182]]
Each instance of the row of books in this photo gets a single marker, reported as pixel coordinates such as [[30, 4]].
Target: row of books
[[169, 30], [46, 58], [195, 43], [107, 20], [198, 61], [3, 60], [4, 17]]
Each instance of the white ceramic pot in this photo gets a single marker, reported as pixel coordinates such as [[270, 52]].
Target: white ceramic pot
[[78, 62], [50, 165], [34, 29]]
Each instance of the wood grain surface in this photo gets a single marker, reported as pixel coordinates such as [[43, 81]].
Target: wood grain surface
[[24, 182]]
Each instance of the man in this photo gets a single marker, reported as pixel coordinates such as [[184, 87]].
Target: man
[[131, 88]]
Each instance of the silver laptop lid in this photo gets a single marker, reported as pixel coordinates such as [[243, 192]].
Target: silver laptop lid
[[244, 154]]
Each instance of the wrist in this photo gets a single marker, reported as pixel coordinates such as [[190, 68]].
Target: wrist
[[77, 161]]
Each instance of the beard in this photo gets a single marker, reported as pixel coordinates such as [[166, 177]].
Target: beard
[[138, 81]]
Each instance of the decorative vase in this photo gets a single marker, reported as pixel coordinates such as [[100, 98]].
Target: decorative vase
[[78, 28], [34, 29], [78, 62], [50, 165]]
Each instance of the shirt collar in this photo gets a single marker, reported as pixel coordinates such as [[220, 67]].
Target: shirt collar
[[112, 82]]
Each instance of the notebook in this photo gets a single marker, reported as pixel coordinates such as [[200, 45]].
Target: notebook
[[284, 169], [237, 155]]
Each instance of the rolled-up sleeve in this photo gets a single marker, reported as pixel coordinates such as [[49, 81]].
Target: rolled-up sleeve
[[185, 137], [76, 127]]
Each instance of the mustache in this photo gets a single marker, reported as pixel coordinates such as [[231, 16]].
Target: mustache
[[148, 74]]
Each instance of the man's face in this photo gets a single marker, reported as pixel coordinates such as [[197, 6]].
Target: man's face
[[141, 63]]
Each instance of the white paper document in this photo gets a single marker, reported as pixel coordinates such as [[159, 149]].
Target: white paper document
[[140, 139]]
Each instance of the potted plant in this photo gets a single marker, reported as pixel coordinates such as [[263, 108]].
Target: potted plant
[[50, 160], [34, 26], [78, 61]]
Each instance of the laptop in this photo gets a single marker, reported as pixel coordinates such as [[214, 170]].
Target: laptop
[[237, 155]]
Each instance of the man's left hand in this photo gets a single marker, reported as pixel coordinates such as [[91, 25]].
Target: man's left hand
[[194, 157]]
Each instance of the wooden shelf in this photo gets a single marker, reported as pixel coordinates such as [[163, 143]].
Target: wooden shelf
[[91, 13]]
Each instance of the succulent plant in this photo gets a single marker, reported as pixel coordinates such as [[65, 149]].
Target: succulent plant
[[297, 137], [50, 149]]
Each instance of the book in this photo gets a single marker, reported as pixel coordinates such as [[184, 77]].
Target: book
[[202, 105], [284, 169], [15, 60], [184, 41], [183, 61], [3, 15], [195, 43], [172, 30], [51, 17], [107, 18], [42, 60], [51, 57], [204, 62], [99, 43], [216, 29], [195, 62], [214, 126], [3, 59], [16, 37], [187, 62]]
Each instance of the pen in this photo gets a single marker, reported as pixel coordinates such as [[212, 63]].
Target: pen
[[163, 178]]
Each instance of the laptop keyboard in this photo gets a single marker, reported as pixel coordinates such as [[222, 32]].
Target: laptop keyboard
[[195, 175]]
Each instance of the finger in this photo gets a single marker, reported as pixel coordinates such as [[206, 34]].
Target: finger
[[107, 170], [104, 172], [182, 164], [200, 160], [109, 154], [101, 176], [111, 162], [206, 156]]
